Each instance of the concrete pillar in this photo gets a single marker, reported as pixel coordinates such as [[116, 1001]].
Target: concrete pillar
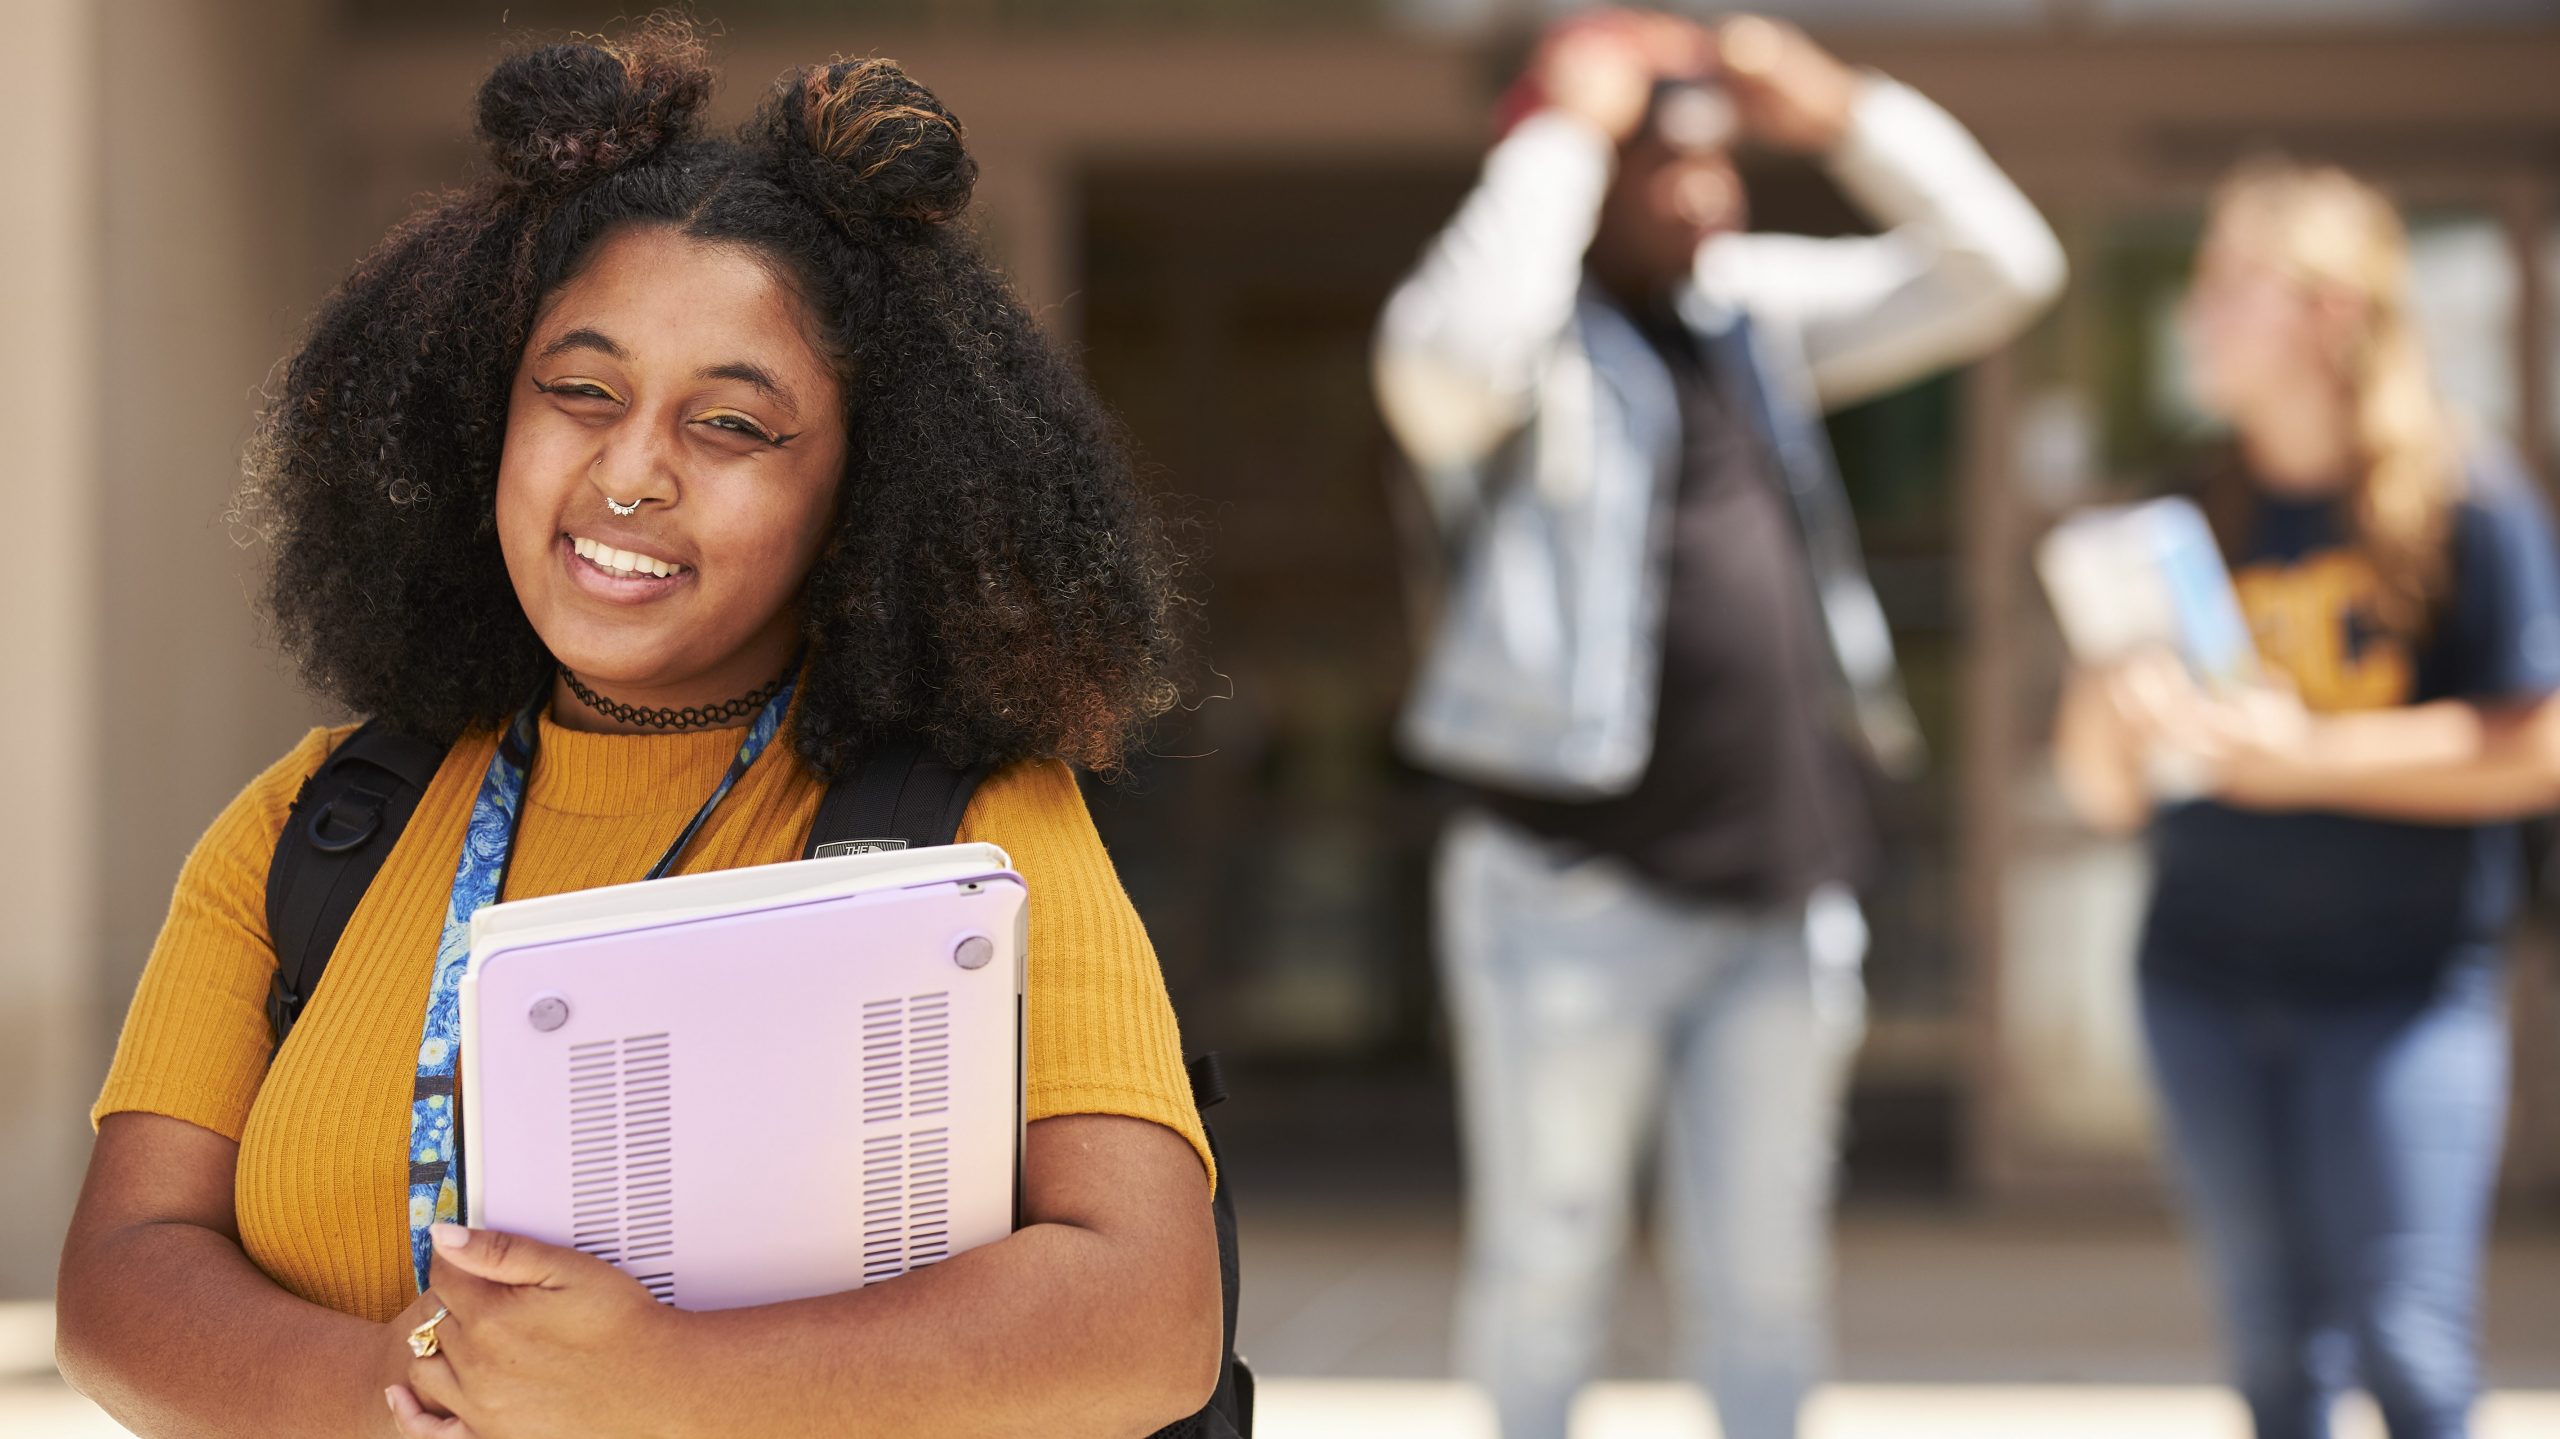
[[49, 281], [155, 266], [208, 172]]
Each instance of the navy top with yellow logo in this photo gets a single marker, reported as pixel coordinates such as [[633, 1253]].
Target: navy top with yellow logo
[[2333, 907]]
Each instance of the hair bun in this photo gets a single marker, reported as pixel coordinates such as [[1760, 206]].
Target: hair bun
[[557, 117], [888, 149]]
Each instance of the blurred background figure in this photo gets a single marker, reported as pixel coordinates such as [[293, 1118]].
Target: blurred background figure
[[2322, 983], [1661, 664]]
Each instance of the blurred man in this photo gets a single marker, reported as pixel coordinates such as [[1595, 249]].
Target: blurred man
[[1660, 666]]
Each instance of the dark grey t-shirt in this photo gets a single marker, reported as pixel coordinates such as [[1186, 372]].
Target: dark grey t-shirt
[[1751, 795]]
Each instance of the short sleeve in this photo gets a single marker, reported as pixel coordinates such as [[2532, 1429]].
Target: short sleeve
[[195, 1044], [2505, 625], [1100, 1027]]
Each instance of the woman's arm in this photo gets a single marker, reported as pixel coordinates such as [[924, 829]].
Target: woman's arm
[[2098, 751], [2449, 762], [1101, 1316], [2444, 762], [168, 1326]]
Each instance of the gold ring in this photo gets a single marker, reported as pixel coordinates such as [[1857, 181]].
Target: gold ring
[[422, 1340]]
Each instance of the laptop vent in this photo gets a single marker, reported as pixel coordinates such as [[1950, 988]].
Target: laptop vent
[[906, 1154], [929, 1056], [622, 1156]]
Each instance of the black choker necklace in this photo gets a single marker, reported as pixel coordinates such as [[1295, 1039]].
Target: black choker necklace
[[689, 717]]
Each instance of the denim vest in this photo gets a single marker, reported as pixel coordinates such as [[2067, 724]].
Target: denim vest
[[1542, 676]]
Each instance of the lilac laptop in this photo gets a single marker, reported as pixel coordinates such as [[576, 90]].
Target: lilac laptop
[[753, 1085]]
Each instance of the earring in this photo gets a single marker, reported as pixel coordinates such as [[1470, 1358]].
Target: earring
[[619, 508]]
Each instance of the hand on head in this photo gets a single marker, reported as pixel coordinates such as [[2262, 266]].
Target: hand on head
[[1792, 94], [1604, 66]]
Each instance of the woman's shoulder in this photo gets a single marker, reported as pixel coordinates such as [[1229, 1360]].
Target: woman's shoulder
[[2501, 528], [314, 748], [2497, 486], [1027, 802], [1035, 812], [196, 1042], [272, 793], [243, 836], [1029, 781]]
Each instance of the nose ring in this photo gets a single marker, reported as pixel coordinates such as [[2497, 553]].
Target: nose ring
[[619, 508]]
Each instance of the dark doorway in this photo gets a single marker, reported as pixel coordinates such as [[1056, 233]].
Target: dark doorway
[[1276, 847]]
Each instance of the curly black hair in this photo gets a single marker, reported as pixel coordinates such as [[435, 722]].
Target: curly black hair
[[995, 583]]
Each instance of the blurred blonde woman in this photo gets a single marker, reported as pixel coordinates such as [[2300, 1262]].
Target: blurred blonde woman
[[2320, 972]]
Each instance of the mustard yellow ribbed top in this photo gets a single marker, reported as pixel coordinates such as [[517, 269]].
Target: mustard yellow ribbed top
[[322, 1189]]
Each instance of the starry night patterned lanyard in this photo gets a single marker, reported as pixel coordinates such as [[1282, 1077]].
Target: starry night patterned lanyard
[[435, 1169]]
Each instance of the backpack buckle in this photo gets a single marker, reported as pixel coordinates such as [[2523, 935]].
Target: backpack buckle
[[361, 829]]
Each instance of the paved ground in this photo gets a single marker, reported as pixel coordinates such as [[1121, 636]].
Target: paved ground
[[1379, 1408], [1952, 1327], [1927, 1296]]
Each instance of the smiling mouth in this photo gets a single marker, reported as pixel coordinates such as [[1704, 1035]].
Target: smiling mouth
[[624, 564]]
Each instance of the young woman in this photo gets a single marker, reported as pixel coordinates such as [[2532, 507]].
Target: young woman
[[689, 457], [2320, 975]]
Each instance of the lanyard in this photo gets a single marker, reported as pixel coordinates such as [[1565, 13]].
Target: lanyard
[[435, 1162]]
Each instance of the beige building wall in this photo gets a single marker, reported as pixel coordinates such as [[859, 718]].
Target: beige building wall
[[206, 124], [48, 880], [155, 263]]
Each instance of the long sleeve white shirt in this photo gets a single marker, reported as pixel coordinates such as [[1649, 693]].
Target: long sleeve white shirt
[[1963, 262]]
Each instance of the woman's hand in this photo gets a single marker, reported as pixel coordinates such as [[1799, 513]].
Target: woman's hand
[[2143, 697], [392, 1370], [2252, 747], [538, 1342], [2141, 729], [2258, 746]]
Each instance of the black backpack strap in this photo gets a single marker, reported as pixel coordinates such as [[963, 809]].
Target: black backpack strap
[[344, 821], [1229, 1413], [899, 795], [1208, 1081], [1232, 1404]]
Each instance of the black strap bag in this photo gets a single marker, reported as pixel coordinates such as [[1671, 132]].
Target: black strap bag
[[349, 814]]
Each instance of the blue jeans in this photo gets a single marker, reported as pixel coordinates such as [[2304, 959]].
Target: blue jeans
[[1591, 1008], [2338, 1166]]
